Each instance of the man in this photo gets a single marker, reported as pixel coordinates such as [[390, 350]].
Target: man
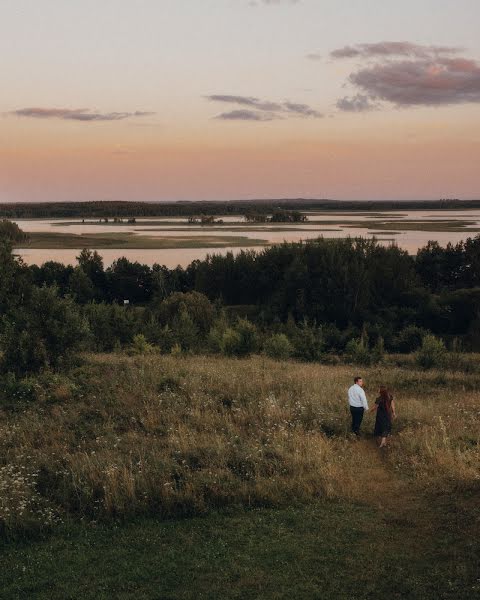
[[358, 404]]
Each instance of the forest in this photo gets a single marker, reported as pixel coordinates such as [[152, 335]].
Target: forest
[[100, 209], [314, 301]]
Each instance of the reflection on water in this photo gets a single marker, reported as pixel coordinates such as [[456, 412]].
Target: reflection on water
[[160, 227]]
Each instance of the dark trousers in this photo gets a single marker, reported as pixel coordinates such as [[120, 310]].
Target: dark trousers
[[357, 417]]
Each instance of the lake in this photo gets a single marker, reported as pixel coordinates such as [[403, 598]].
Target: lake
[[408, 229]]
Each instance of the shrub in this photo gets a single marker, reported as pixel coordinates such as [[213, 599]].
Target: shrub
[[378, 351], [230, 342], [278, 346], [357, 352], [42, 332], [14, 390], [197, 306], [214, 339], [140, 345], [410, 339], [248, 337], [432, 353], [308, 343]]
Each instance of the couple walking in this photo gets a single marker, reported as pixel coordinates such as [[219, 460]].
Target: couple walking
[[384, 405]]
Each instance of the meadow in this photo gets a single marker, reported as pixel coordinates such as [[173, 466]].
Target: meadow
[[212, 477]]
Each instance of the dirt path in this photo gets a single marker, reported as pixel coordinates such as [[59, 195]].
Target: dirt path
[[380, 485]]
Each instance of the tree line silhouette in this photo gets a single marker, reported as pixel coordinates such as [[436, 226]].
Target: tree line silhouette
[[309, 300]]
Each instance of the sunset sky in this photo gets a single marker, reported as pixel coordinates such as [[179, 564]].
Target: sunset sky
[[224, 99]]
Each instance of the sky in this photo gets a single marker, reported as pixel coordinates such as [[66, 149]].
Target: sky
[[232, 99]]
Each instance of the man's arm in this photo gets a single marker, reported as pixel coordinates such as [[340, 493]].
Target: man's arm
[[364, 400]]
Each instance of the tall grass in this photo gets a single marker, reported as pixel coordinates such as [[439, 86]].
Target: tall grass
[[123, 436]]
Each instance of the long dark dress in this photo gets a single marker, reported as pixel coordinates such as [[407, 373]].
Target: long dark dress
[[383, 421]]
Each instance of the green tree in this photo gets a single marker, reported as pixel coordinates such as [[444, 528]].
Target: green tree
[[278, 346], [81, 286], [241, 340], [12, 232], [432, 353], [41, 332]]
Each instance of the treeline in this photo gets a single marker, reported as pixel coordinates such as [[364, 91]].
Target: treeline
[[311, 300], [102, 209]]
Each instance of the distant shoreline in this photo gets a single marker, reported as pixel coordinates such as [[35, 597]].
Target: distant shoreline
[[26, 210]]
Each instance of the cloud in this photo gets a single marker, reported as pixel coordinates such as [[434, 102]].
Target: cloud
[[388, 49], [245, 101], [314, 56], [77, 114], [301, 110], [358, 103], [263, 110], [432, 82], [407, 74], [247, 115]]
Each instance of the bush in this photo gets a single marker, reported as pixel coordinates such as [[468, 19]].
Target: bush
[[410, 339], [308, 343], [14, 390], [214, 339], [278, 346], [241, 340], [248, 337], [197, 306], [357, 352], [42, 332], [140, 345], [432, 353], [230, 342], [378, 351]]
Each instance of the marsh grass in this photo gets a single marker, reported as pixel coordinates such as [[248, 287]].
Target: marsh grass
[[128, 240], [122, 437]]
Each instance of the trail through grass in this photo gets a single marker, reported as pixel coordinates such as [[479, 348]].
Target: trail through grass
[[332, 518], [393, 540]]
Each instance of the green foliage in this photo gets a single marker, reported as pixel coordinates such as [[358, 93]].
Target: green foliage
[[111, 325], [248, 337], [12, 232], [42, 332], [81, 286], [176, 350], [410, 339], [215, 335], [308, 342], [140, 345], [197, 306], [185, 332], [16, 390], [357, 352], [241, 340], [278, 346], [432, 353], [230, 342]]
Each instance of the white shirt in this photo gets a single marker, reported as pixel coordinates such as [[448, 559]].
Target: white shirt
[[357, 397]]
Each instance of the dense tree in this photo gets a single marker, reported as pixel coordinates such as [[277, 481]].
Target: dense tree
[[130, 281], [41, 332]]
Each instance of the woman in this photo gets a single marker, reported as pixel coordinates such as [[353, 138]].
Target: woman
[[385, 407]]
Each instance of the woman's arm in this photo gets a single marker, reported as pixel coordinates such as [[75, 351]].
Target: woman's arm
[[394, 414]]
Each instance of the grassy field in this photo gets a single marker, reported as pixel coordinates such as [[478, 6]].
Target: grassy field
[[200, 477], [127, 240]]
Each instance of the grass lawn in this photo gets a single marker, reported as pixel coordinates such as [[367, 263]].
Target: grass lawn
[[328, 550]]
